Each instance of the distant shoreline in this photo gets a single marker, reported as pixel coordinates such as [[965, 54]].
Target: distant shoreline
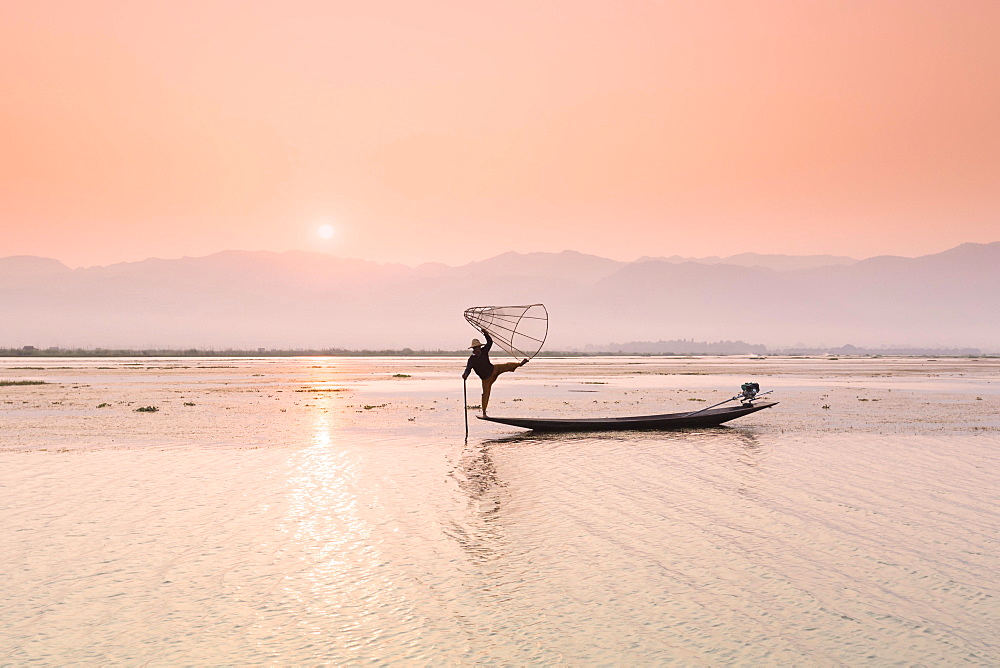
[[407, 352]]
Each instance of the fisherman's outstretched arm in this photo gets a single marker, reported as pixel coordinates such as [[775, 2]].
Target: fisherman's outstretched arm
[[489, 341]]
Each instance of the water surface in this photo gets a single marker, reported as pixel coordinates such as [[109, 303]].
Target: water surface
[[306, 510]]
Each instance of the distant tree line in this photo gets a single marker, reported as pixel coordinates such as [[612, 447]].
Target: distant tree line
[[640, 348], [31, 351], [680, 347]]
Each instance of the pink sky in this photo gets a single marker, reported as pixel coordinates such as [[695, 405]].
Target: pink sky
[[453, 131]]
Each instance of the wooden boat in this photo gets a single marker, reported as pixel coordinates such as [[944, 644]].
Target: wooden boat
[[707, 418]]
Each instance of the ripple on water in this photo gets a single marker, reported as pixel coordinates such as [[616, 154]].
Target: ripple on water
[[341, 533]]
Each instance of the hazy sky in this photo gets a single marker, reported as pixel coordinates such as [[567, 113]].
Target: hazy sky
[[453, 131]]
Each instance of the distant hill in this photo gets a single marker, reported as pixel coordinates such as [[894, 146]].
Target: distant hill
[[28, 267], [310, 300], [756, 260]]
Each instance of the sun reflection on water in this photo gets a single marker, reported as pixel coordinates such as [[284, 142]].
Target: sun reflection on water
[[333, 542], [321, 432]]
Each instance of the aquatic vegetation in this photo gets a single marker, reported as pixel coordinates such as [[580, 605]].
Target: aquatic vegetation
[[368, 407], [189, 403], [7, 383], [103, 405], [147, 409], [401, 375]]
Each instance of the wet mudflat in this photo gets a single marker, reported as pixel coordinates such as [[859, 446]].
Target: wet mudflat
[[307, 510]]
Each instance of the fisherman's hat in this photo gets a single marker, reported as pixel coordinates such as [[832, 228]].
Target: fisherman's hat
[[476, 343]]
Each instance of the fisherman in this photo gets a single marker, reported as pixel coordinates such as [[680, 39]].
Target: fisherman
[[479, 361]]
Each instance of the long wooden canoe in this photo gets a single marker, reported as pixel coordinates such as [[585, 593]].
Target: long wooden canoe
[[709, 418]]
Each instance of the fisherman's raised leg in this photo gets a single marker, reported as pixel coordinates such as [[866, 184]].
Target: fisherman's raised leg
[[505, 367]]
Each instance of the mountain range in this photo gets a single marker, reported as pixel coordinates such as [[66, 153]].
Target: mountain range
[[297, 299]]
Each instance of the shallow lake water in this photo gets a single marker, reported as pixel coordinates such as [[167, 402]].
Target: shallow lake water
[[311, 510]]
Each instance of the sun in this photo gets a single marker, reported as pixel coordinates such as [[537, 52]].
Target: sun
[[325, 231]]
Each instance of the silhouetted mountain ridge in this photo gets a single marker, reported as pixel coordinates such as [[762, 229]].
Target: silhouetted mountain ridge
[[757, 260], [311, 300]]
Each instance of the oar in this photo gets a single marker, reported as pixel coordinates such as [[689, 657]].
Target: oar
[[465, 408], [726, 402]]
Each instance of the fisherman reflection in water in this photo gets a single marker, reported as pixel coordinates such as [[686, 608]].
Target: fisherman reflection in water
[[479, 361]]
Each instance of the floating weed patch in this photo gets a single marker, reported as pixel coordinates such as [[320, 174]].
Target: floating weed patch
[[189, 403], [594, 382], [695, 399], [401, 375], [103, 405], [368, 407], [147, 409], [7, 383]]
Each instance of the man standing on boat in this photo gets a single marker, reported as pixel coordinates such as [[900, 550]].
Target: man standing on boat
[[479, 361]]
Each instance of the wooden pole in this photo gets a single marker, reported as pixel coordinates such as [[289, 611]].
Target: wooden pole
[[465, 408]]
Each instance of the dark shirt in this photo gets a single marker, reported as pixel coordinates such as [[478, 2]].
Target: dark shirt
[[481, 363]]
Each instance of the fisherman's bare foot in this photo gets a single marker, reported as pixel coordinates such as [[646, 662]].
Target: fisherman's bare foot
[[484, 415]]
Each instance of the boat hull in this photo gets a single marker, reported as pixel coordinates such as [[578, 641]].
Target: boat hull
[[709, 418]]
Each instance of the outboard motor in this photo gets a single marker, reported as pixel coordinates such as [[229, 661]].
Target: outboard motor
[[748, 391]]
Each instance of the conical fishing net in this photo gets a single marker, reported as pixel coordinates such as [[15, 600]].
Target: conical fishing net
[[519, 330]]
